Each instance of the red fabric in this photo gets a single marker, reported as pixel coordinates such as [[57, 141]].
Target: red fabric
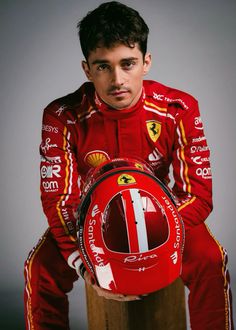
[[164, 128], [79, 132], [49, 278], [206, 276]]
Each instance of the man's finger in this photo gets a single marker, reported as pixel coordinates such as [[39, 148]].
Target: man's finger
[[107, 294]]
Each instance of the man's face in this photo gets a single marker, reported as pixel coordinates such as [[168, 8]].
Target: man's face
[[117, 74]]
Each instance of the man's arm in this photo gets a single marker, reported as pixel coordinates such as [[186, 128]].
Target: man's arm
[[191, 168], [59, 181]]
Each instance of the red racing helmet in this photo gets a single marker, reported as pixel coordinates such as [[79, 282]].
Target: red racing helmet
[[130, 234]]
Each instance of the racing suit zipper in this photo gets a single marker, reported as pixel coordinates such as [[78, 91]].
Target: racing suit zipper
[[111, 137], [129, 137]]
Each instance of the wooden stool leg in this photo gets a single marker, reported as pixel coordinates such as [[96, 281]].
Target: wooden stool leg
[[164, 310]]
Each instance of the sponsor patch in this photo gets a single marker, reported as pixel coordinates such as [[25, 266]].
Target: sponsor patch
[[204, 173], [47, 145], [96, 157], [198, 123], [161, 97], [60, 110], [49, 128], [50, 186], [50, 171]]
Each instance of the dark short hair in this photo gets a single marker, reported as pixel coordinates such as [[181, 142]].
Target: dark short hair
[[112, 23]]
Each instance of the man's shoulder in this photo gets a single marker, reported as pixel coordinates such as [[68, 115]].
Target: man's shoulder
[[76, 101], [166, 95]]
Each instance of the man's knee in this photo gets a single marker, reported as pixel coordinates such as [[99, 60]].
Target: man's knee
[[39, 255], [203, 255], [214, 259]]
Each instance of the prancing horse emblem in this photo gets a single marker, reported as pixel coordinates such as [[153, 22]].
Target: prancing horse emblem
[[154, 129], [125, 179]]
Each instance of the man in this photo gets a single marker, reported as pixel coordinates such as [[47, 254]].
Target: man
[[118, 114]]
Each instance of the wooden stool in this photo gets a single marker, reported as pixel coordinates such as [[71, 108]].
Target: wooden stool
[[164, 310]]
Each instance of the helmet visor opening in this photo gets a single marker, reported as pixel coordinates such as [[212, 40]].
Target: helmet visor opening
[[134, 222]]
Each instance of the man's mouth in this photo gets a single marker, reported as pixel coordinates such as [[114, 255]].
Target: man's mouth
[[118, 92]]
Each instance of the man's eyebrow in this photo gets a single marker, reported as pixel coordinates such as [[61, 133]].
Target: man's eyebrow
[[129, 59], [102, 61]]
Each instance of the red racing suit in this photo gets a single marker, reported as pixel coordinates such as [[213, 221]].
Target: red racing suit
[[165, 129]]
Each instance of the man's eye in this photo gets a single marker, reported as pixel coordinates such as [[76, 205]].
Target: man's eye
[[102, 67], [128, 65]]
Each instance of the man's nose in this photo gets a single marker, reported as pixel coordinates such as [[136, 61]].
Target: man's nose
[[117, 77]]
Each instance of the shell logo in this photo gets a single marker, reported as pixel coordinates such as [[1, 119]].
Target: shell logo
[[96, 157]]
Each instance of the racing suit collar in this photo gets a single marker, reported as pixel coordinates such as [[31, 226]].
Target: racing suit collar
[[119, 114]]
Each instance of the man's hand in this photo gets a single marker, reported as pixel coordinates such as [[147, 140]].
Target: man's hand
[[108, 294]]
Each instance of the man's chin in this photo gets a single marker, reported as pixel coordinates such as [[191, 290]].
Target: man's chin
[[120, 104], [119, 107]]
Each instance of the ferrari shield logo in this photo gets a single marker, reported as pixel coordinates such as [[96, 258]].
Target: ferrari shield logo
[[125, 179], [138, 165], [154, 129]]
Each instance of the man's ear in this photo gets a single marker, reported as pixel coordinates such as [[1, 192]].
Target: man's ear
[[147, 63], [86, 69]]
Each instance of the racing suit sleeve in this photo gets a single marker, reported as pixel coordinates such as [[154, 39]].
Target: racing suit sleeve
[[191, 168], [60, 192]]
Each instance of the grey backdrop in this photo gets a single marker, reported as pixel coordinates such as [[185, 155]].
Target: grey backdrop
[[193, 48]]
